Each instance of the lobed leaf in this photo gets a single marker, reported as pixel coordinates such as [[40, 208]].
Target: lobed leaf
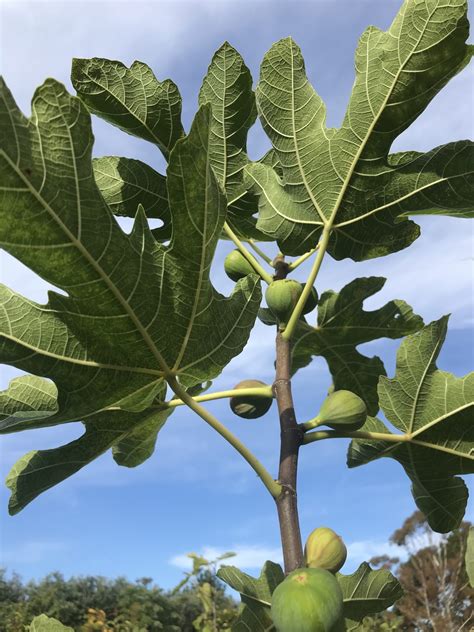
[[256, 595], [134, 310], [227, 87], [126, 183], [131, 98], [345, 178], [434, 410], [367, 592], [342, 325]]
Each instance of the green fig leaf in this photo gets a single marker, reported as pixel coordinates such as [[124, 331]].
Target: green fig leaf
[[344, 178], [342, 325], [434, 410], [227, 87], [110, 342], [256, 595], [125, 183], [28, 398], [470, 556], [131, 98], [367, 592], [42, 623]]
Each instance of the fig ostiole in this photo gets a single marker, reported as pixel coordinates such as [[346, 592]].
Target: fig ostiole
[[251, 406], [342, 410], [308, 600], [236, 265], [325, 549]]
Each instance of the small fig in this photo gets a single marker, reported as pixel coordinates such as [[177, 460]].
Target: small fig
[[311, 301], [250, 406], [325, 549], [308, 600], [282, 296], [236, 266], [343, 410]]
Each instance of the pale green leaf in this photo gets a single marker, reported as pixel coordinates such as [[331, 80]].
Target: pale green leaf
[[134, 309], [367, 592], [125, 183], [42, 623], [28, 398], [256, 595], [435, 411], [344, 177], [130, 98]]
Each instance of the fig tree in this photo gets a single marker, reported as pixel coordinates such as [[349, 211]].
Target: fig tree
[[325, 549], [343, 410], [282, 296], [236, 265], [308, 600], [250, 406]]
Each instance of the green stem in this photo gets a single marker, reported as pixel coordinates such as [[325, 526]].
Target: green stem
[[262, 391], [273, 487], [294, 264], [250, 258], [357, 434], [260, 252], [311, 424], [295, 316]]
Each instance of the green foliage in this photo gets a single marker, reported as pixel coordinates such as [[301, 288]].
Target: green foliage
[[470, 556], [434, 410], [47, 624], [139, 316], [345, 178]]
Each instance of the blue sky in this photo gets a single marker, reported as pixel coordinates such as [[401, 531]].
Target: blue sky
[[195, 493]]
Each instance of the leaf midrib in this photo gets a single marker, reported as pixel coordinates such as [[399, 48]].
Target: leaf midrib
[[100, 271]]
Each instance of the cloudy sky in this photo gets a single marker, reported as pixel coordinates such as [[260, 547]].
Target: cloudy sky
[[198, 495]]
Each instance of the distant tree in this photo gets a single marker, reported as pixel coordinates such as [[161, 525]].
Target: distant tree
[[437, 595]]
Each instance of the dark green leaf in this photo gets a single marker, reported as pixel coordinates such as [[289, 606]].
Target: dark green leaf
[[366, 592], [134, 309], [342, 325], [435, 412], [256, 595], [125, 183]]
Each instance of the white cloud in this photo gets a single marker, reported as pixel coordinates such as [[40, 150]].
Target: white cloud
[[247, 556]]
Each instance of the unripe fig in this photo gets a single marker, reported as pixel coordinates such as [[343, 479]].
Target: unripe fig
[[282, 296], [236, 265], [308, 600], [311, 301], [343, 410], [325, 549], [250, 406]]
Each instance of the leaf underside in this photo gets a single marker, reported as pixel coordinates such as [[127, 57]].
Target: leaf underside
[[108, 343], [345, 177], [435, 411]]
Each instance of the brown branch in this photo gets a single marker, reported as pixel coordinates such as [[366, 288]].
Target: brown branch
[[291, 440]]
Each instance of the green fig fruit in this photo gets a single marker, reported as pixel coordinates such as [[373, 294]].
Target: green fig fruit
[[282, 296], [236, 266], [311, 301], [308, 600], [250, 406], [325, 549], [343, 410]]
